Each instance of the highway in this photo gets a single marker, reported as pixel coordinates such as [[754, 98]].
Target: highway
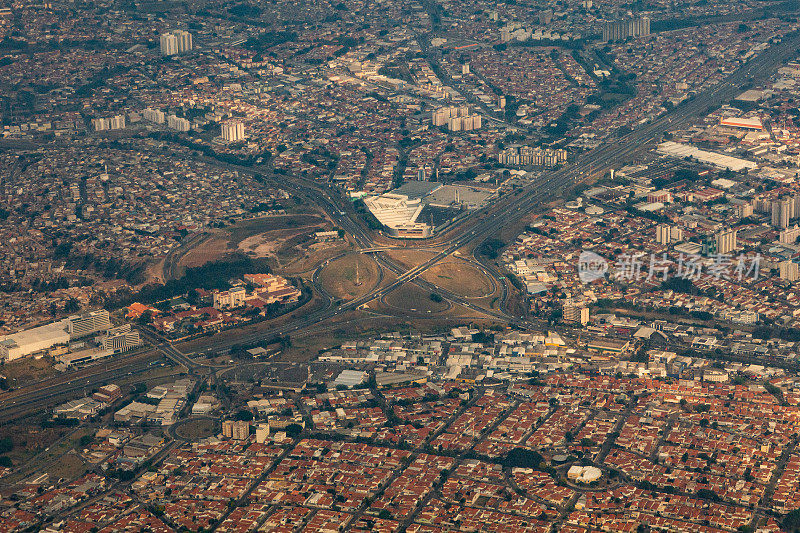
[[20, 404], [472, 230], [487, 221]]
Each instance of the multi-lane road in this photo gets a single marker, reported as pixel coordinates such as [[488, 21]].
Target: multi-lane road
[[470, 231], [487, 221]]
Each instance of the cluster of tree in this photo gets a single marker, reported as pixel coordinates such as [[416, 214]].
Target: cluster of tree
[[522, 458], [491, 248], [366, 215], [245, 11]]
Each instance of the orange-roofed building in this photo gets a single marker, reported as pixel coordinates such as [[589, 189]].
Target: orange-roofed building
[[136, 310]]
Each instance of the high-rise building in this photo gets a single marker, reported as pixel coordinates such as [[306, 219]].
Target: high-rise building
[[262, 433], [177, 123], [622, 29], [240, 430], [233, 131], [726, 241], [154, 115], [116, 122], [575, 314], [88, 323], [663, 234], [789, 270], [169, 44], [176, 42], [184, 41], [782, 212], [456, 118], [532, 155]]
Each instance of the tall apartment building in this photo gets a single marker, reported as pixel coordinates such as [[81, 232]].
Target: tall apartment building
[[177, 123], [782, 211], [456, 118], [726, 241], [88, 323], [663, 234], [666, 234], [169, 44], [534, 156], [232, 131], [262, 433], [236, 429], [175, 42], [622, 29], [743, 209], [154, 115], [789, 270], [575, 314], [113, 123]]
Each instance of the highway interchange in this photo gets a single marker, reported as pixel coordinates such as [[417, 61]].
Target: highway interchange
[[469, 232]]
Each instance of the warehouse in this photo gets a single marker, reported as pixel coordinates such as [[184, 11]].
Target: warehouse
[[34, 340]]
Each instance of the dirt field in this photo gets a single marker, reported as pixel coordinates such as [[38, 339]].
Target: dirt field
[[339, 277], [459, 277], [197, 429], [27, 370], [68, 466], [410, 258], [250, 228], [261, 237], [414, 300], [213, 249], [314, 255]]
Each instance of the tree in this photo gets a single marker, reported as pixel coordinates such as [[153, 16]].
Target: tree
[[72, 306], [523, 458], [6, 445], [791, 521], [244, 415], [294, 430]]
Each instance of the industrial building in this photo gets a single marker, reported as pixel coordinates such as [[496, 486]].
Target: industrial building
[[682, 151], [34, 340]]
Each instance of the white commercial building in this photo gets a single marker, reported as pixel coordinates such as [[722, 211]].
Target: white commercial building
[[229, 299], [121, 339], [88, 323], [33, 340]]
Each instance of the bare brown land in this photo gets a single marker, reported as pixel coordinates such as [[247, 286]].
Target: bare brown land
[[343, 280]]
